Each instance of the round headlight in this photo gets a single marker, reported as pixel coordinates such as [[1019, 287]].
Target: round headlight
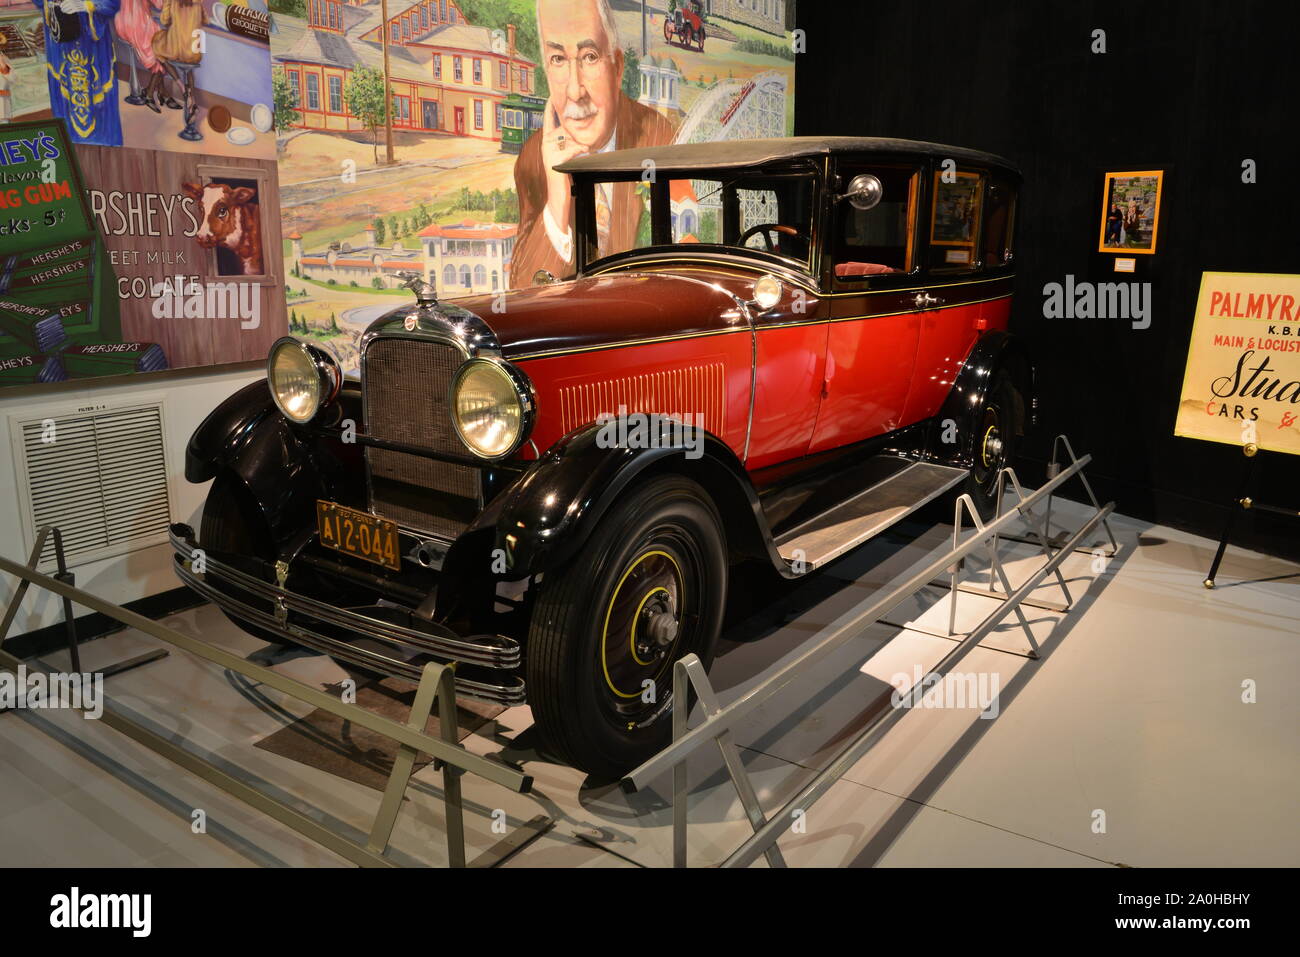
[[492, 407], [767, 291], [302, 378]]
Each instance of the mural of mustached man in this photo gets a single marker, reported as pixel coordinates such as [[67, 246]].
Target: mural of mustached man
[[83, 83]]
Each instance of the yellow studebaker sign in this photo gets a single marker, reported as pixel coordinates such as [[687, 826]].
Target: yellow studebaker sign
[[1242, 382]]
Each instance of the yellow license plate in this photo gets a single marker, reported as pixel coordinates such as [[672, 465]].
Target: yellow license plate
[[358, 533]]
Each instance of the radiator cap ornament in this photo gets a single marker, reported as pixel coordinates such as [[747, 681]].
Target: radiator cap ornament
[[425, 294]]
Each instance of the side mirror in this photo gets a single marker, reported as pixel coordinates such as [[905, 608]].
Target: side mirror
[[864, 192]]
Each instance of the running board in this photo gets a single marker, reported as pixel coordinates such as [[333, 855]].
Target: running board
[[825, 538]]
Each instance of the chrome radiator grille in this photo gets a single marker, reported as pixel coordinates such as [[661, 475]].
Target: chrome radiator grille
[[405, 393]]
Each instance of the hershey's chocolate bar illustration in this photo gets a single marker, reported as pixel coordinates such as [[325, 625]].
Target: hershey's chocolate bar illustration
[[113, 358], [38, 327], [77, 269], [44, 327], [34, 259], [29, 370]]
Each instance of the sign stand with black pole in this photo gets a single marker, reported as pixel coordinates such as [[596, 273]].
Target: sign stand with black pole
[[1243, 503]]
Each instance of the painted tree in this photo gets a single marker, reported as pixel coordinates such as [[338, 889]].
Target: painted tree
[[363, 95], [284, 112], [631, 73], [380, 230]]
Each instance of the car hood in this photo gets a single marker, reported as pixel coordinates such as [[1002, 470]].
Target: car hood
[[604, 310]]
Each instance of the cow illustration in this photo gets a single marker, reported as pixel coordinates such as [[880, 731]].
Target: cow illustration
[[229, 220]]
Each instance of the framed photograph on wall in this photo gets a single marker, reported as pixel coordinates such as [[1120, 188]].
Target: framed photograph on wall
[[1130, 211], [956, 219]]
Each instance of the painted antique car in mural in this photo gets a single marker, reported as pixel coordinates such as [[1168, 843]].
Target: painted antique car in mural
[[550, 487]]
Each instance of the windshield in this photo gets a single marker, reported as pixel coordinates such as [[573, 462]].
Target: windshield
[[771, 213]]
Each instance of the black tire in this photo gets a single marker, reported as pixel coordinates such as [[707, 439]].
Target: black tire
[[656, 565], [231, 524], [995, 442]]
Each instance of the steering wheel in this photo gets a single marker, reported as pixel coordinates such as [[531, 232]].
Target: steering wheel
[[767, 229]]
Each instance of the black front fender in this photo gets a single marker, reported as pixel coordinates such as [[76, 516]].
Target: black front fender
[[548, 514], [248, 437]]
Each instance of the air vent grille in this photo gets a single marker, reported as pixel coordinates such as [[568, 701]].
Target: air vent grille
[[101, 478]]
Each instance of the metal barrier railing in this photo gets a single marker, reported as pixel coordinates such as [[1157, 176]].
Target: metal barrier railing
[[720, 721], [436, 687]]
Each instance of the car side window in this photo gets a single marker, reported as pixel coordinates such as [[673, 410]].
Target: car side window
[[955, 216], [1000, 222], [877, 242]]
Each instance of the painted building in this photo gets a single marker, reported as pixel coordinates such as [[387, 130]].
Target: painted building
[[468, 258], [765, 15], [660, 84], [445, 74], [345, 263], [459, 259], [685, 209]]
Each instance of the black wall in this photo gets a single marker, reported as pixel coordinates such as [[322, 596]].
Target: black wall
[[1194, 88]]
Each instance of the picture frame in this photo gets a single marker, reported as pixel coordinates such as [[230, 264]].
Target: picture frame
[[1130, 212], [219, 264], [957, 209]]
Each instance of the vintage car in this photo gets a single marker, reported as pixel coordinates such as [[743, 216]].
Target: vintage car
[[548, 486], [685, 27]]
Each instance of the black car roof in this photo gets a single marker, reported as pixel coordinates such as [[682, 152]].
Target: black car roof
[[740, 154]]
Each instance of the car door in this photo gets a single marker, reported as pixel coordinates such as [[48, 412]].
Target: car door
[[873, 324], [967, 283]]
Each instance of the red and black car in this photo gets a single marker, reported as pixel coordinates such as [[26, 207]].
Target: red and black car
[[549, 486], [685, 27]]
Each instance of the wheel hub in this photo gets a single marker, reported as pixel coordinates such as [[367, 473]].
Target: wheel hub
[[992, 449], [658, 626]]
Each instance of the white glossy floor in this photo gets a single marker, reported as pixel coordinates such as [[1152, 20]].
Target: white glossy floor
[[1128, 743]]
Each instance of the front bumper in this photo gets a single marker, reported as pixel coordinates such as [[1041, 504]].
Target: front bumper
[[384, 637]]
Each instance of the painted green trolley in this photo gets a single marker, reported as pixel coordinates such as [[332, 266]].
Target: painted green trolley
[[519, 116]]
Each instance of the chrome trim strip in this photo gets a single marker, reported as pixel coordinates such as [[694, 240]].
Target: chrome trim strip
[[362, 657], [549, 353]]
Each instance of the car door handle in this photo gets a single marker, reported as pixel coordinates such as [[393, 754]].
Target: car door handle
[[926, 301]]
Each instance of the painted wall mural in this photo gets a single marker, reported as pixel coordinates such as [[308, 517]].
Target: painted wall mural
[[246, 169], [486, 96], [166, 110]]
